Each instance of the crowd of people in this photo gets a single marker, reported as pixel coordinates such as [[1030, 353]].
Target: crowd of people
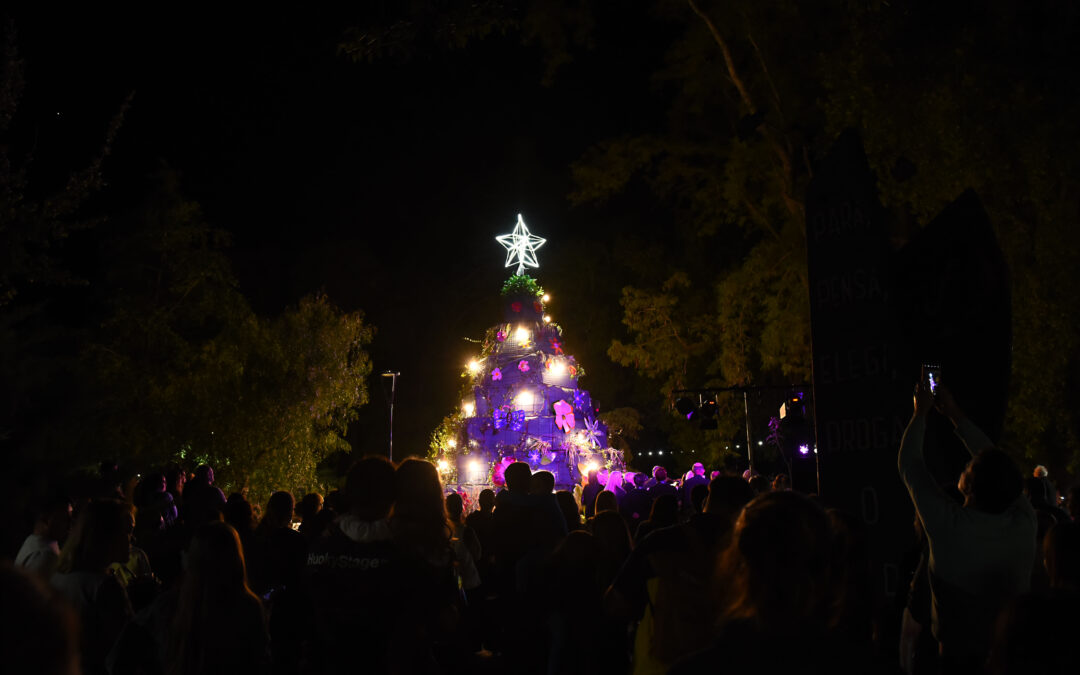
[[628, 573]]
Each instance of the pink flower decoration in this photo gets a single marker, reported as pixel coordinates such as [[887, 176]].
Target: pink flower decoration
[[564, 416], [500, 336], [496, 375], [523, 366]]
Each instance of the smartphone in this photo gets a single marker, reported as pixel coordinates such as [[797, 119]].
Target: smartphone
[[931, 375]]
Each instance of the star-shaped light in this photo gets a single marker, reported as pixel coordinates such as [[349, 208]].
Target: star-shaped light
[[521, 247]]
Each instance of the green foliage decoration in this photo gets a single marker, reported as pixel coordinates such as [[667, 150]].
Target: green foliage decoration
[[521, 284]]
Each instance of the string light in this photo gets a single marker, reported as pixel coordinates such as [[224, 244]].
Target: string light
[[547, 318], [546, 298], [522, 335], [443, 465], [474, 366], [468, 409], [451, 443]]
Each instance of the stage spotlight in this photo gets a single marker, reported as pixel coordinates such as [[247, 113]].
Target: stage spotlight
[[685, 407]]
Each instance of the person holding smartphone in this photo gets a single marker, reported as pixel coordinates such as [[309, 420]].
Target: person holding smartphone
[[981, 552]]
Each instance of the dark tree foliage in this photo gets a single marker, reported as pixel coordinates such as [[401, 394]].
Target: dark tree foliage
[[945, 97], [123, 334]]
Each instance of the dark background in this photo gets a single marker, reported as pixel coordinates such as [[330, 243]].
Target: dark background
[[383, 184]]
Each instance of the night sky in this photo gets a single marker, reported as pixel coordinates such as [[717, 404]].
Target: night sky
[[383, 185]]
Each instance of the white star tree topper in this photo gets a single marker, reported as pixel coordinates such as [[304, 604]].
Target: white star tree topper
[[521, 247]]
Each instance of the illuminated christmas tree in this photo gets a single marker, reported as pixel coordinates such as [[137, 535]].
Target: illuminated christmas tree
[[522, 401]]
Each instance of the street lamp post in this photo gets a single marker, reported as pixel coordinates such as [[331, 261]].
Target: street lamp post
[[393, 387]]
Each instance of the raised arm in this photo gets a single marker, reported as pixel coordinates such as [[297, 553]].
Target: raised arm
[[970, 435], [930, 502]]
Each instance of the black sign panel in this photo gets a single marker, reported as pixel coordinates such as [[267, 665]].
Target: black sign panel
[[862, 392]]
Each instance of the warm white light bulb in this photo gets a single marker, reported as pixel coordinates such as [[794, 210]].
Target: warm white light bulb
[[474, 468], [547, 318], [468, 409], [558, 367], [451, 443], [443, 465], [522, 335], [474, 366], [524, 399], [546, 298], [592, 466]]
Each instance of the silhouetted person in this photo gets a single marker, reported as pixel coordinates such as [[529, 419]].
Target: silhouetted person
[[665, 513], [109, 481], [175, 478], [40, 631], [760, 485], [1036, 633], [525, 533], [697, 499], [455, 510], [636, 505], [203, 502], [606, 501], [308, 510], [355, 564], [218, 625], [101, 536], [569, 509], [440, 568], [615, 544], [665, 581], [572, 592], [152, 495], [589, 492], [776, 599], [542, 483], [1040, 493], [277, 565], [1072, 502], [1061, 551], [661, 486], [241, 516], [40, 552], [615, 486], [981, 553], [480, 522], [697, 478]]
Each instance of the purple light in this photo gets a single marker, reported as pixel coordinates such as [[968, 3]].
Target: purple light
[[689, 415], [804, 449]]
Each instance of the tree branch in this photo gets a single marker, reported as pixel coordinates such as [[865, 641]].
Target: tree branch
[[793, 205], [732, 73]]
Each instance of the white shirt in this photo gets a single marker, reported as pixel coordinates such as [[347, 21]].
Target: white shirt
[[38, 554]]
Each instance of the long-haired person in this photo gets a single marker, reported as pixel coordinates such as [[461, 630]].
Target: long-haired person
[[101, 536], [777, 613], [422, 529], [218, 626]]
